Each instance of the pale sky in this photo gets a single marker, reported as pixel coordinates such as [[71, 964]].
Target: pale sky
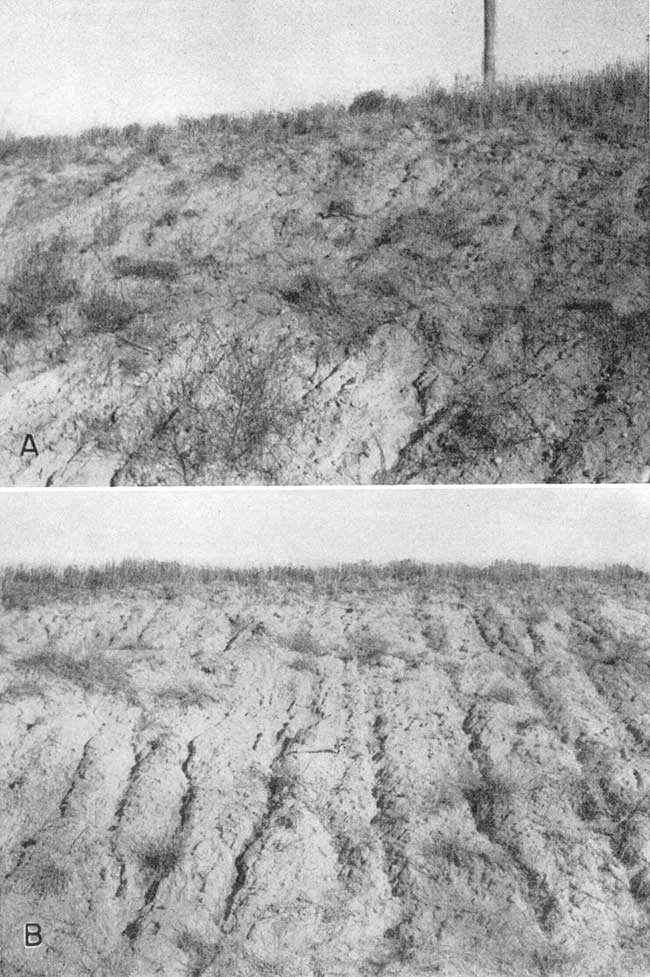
[[69, 64], [240, 526]]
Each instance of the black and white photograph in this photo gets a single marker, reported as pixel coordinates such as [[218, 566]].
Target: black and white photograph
[[324, 488], [326, 733], [302, 242]]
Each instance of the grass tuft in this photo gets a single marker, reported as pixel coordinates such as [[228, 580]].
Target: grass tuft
[[105, 311], [158, 268], [38, 285]]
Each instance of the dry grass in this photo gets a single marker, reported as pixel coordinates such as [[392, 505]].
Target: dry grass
[[107, 311], [37, 286], [611, 104], [90, 671], [23, 587]]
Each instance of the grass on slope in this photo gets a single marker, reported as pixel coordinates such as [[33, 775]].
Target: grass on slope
[[514, 248]]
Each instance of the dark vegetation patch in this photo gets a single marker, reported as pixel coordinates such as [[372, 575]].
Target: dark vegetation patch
[[24, 587], [107, 311], [39, 284], [160, 269], [90, 671]]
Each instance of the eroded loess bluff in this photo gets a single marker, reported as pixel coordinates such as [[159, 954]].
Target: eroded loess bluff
[[337, 299], [391, 777]]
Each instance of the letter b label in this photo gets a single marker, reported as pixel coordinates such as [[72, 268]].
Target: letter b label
[[33, 934]]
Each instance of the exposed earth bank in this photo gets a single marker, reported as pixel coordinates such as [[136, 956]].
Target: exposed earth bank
[[406, 295], [397, 772]]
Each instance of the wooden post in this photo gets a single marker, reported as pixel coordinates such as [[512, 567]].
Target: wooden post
[[489, 68]]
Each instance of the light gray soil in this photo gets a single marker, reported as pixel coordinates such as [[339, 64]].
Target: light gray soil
[[397, 777]]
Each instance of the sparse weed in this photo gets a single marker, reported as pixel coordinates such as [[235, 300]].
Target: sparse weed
[[308, 292], [178, 187], [224, 170], [201, 954], [501, 691], [192, 695], [369, 648], [159, 857], [105, 311], [157, 268], [46, 877], [303, 642], [354, 848], [168, 218], [21, 690]]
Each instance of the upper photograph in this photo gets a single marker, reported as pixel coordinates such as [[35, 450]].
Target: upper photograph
[[304, 242]]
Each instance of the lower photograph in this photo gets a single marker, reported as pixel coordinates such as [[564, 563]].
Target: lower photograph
[[325, 732]]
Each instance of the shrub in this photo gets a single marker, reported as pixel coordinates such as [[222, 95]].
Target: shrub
[[308, 292], [372, 101], [128, 267], [159, 858], [226, 171], [304, 643], [38, 285], [105, 311]]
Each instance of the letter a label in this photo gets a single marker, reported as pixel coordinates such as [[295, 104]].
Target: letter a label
[[29, 446], [33, 935]]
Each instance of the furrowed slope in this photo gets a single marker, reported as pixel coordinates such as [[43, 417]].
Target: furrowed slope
[[380, 777], [396, 296]]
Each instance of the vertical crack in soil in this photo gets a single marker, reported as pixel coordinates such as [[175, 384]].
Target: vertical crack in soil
[[392, 828], [275, 797], [190, 792], [133, 929], [79, 774], [488, 804]]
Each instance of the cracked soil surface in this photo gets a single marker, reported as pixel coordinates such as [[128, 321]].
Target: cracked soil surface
[[396, 772]]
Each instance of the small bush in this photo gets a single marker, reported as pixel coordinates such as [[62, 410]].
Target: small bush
[[38, 285], [226, 171], [160, 857], [308, 292], [104, 311], [304, 643], [158, 268], [367, 102], [368, 648]]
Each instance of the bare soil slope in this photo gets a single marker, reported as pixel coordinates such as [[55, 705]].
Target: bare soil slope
[[397, 772], [438, 290]]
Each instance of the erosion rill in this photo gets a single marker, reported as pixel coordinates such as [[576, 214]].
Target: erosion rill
[[399, 772]]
